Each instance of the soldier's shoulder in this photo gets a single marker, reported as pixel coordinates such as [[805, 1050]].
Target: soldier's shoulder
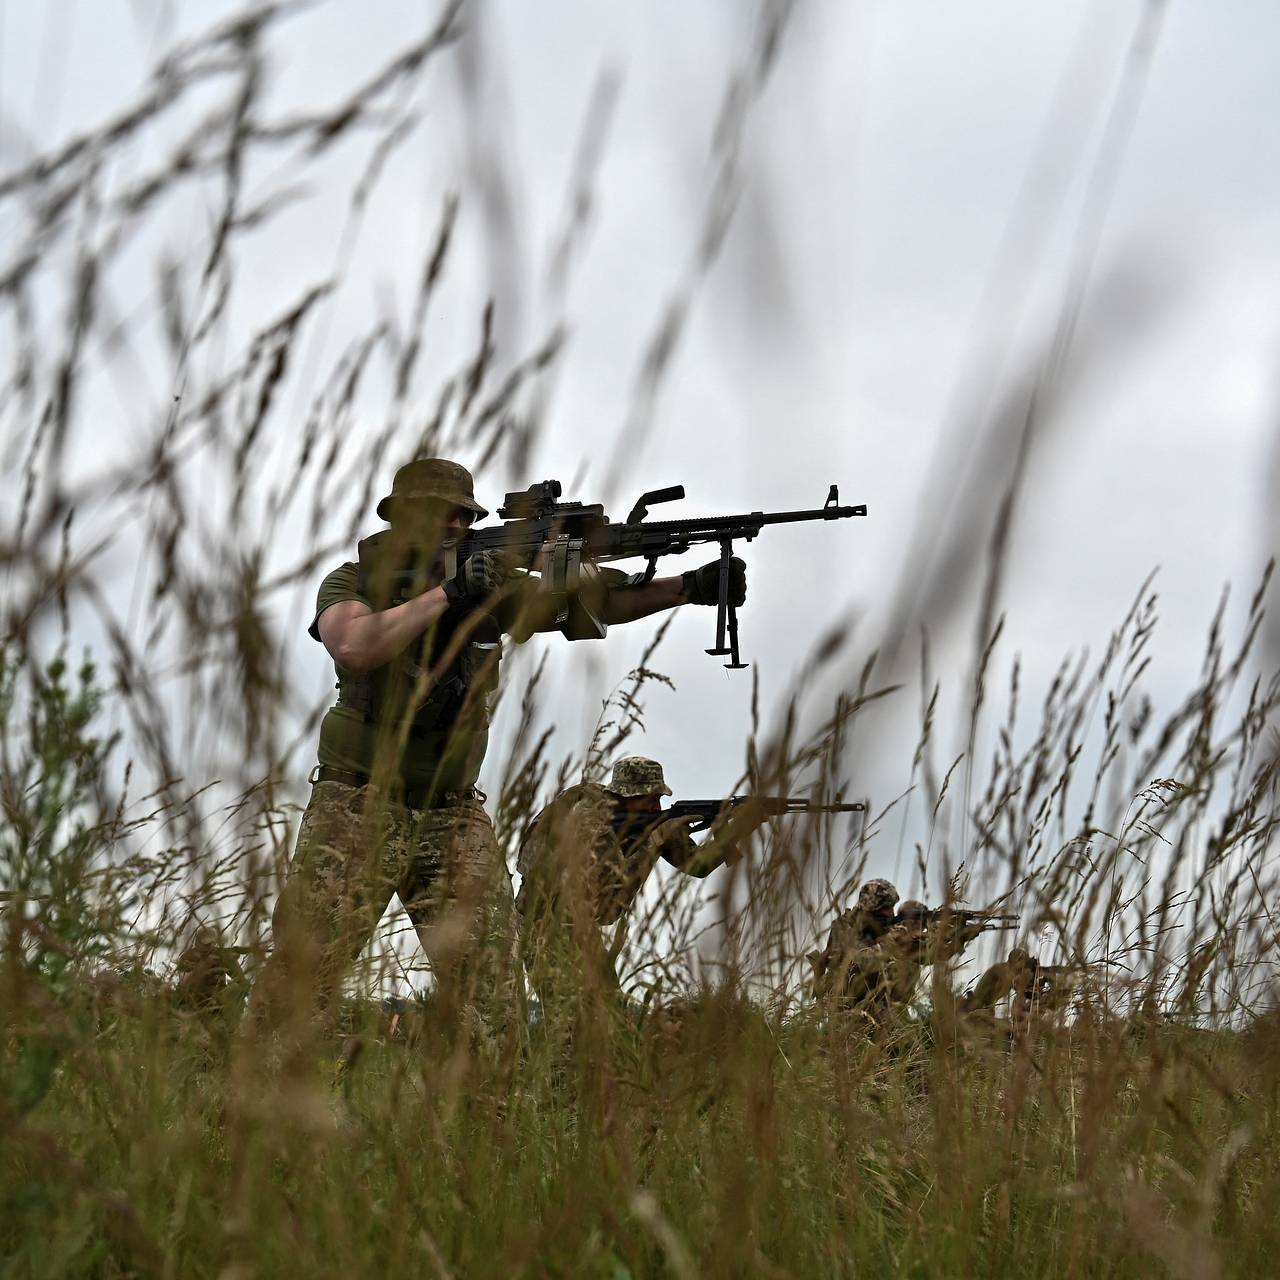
[[347, 573], [577, 792], [578, 798], [338, 585], [588, 799]]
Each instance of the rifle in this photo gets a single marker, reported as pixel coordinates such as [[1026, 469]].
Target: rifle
[[707, 811], [582, 537], [1051, 973], [991, 921]]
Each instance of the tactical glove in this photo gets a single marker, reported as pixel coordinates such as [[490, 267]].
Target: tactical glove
[[702, 586], [478, 578]]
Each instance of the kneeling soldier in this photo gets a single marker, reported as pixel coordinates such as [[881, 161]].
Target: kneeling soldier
[[852, 949], [585, 859], [873, 957]]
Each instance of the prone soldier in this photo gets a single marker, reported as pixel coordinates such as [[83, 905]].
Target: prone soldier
[[394, 807], [1036, 988], [1013, 974], [209, 973]]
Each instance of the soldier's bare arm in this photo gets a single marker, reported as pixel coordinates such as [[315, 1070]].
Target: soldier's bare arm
[[696, 586], [618, 604], [634, 603], [358, 639]]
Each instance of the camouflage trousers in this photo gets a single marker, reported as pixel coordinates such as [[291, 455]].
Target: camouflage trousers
[[572, 974], [356, 849]]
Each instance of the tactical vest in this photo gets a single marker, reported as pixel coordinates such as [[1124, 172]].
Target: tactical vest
[[384, 695]]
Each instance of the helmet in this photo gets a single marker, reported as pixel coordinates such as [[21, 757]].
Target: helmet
[[913, 908], [877, 897], [1019, 957], [638, 776], [428, 478]]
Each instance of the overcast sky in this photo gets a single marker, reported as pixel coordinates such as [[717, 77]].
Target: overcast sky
[[913, 180]]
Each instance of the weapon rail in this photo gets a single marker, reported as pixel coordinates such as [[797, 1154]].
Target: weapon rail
[[579, 536]]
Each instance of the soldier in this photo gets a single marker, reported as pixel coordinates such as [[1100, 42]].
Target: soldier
[[851, 960], [583, 862], [874, 954], [394, 805], [1004, 977], [1049, 988], [586, 857], [209, 973]]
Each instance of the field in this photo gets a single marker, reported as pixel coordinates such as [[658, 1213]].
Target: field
[[199, 408], [728, 1146], [695, 1128]]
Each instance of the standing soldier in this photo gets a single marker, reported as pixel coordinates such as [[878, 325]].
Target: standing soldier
[[394, 806]]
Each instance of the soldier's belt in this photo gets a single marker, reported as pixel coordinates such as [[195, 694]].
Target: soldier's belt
[[410, 797]]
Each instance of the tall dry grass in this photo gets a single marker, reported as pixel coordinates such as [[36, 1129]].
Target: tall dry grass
[[715, 1121]]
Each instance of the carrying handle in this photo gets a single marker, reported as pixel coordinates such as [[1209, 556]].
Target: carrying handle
[[651, 499]]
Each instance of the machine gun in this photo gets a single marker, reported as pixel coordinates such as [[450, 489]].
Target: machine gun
[[707, 811], [579, 537]]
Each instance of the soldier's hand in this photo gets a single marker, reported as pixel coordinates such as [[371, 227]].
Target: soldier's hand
[[478, 577], [702, 586], [690, 821]]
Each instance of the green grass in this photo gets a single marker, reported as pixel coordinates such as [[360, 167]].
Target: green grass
[[718, 1143], [723, 1127]]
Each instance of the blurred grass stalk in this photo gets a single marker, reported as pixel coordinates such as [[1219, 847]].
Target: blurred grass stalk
[[714, 1124]]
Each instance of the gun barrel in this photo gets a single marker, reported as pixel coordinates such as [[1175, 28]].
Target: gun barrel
[[798, 804], [992, 919], [752, 521], [989, 920], [771, 804]]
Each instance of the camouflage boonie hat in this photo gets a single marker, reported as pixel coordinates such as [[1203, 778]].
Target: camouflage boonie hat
[[436, 479], [877, 897], [638, 776]]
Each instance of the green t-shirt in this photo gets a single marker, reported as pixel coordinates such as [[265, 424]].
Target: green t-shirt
[[446, 757]]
